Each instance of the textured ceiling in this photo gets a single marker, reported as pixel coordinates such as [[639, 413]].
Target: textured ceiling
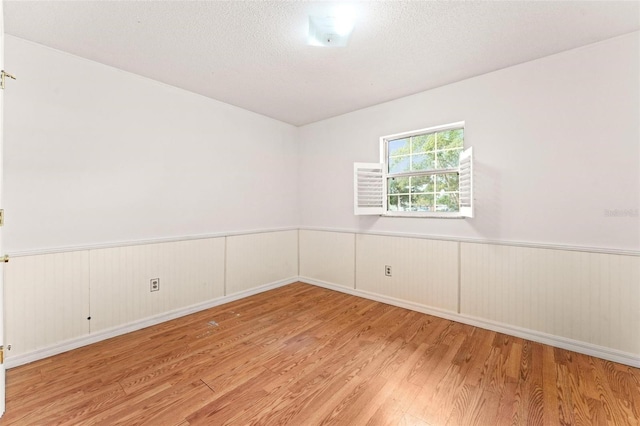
[[254, 54]]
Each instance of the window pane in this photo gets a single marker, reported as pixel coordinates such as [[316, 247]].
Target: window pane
[[448, 159], [398, 147], [398, 185], [404, 202], [430, 152], [447, 203], [451, 139], [393, 203], [422, 184], [423, 162], [423, 143], [399, 164], [422, 202], [447, 182]]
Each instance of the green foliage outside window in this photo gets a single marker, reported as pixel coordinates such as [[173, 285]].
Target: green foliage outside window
[[417, 157]]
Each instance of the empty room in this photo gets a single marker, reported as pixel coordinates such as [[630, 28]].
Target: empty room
[[304, 213]]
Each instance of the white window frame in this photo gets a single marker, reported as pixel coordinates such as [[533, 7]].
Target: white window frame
[[363, 186]]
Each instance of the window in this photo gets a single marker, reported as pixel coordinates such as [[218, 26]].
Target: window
[[422, 173]]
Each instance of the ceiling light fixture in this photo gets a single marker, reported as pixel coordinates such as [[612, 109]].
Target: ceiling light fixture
[[331, 31]]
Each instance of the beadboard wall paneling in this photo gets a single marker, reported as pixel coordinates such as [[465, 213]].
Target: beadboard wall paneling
[[258, 259], [328, 257], [423, 271], [589, 297], [46, 300], [190, 272]]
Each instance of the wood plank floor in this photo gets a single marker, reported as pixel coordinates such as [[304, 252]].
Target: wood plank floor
[[303, 355]]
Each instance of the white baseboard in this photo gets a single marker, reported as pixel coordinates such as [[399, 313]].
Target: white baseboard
[[67, 345], [536, 336]]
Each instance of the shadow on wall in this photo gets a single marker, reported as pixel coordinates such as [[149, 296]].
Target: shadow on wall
[[487, 194], [366, 223]]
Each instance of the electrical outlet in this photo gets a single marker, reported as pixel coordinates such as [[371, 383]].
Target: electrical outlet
[[387, 270], [155, 284]]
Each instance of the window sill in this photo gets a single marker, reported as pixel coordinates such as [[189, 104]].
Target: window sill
[[433, 215]]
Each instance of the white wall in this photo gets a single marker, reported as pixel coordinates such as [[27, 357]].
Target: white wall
[[50, 297], [580, 301], [328, 257], [556, 143], [46, 299], [256, 259], [95, 155], [190, 272], [422, 271], [593, 298]]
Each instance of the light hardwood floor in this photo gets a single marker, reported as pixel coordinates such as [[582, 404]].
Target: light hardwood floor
[[303, 355]]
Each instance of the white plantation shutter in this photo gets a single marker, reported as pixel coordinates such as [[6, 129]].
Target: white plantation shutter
[[465, 171], [369, 188]]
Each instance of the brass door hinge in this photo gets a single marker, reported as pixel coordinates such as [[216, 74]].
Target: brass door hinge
[[1, 217], [1, 354], [4, 259], [3, 75]]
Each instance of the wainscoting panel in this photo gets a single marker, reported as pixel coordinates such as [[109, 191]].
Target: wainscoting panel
[[328, 257], [588, 297], [190, 272], [46, 300], [258, 259], [422, 271], [583, 301]]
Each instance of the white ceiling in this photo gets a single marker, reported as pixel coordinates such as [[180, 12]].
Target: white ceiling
[[254, 54]]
